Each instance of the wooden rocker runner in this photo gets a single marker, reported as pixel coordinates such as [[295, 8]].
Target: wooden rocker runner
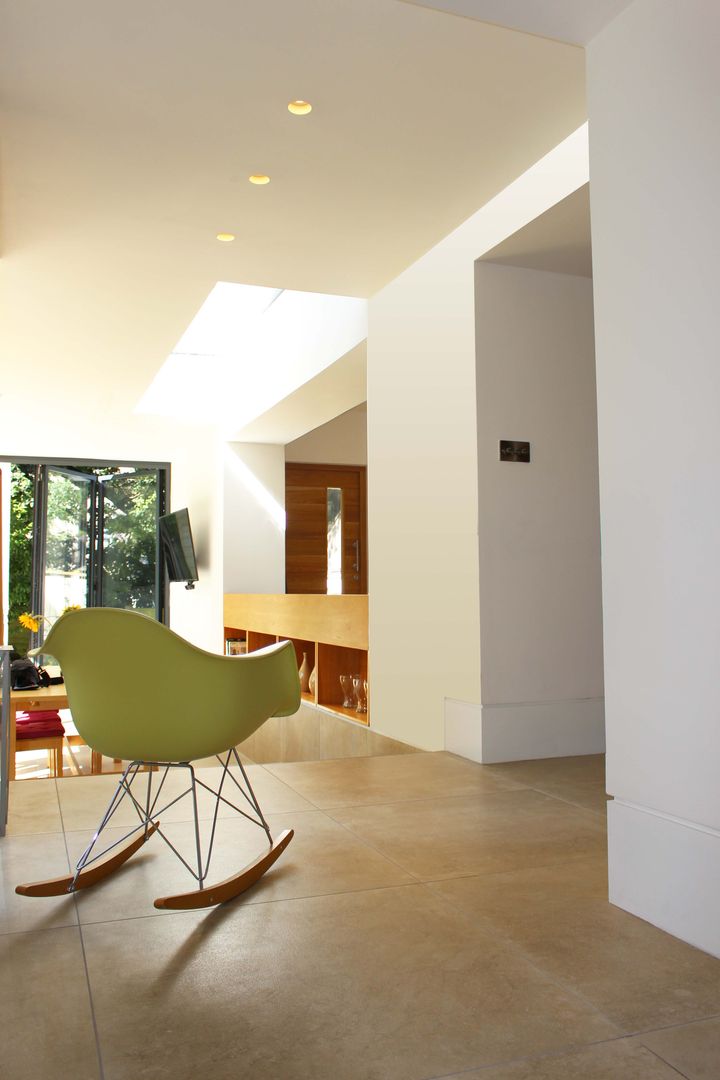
[[175, 705]]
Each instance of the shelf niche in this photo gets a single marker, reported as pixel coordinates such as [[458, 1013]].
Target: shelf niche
[[339, 647]]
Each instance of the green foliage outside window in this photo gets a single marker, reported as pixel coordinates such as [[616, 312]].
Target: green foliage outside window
[[129, 541], [21, 531]]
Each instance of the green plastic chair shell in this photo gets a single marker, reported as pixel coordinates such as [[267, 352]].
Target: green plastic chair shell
[[139, 692]]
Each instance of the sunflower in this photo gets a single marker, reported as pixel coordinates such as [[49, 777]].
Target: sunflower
[[30, 622]]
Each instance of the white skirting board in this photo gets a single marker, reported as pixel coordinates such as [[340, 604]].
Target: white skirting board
[[666, 871], [493, 733]]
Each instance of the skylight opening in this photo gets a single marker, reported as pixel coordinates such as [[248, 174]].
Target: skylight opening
[[248, 348]]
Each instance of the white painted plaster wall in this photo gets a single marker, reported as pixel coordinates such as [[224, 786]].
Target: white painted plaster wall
[[655, 158], [342, 441], [422, 463], [254, 518], [539, 523], [196, 482]]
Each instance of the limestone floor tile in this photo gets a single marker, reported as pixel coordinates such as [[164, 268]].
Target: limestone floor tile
[[274, 796], [693, 1049], [32, 858], [619, 1060], [83, 800], [586, 767], [578, 780], [322, 857], [559, 918], [47, 1030], [373, 985], [33, 808], [392, 778], [438, 838], [589, 794]]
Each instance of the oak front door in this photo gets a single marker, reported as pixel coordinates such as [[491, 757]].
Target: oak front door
[[325, 549]]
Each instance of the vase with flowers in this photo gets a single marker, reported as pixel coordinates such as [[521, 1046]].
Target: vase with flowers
[[31, 622]]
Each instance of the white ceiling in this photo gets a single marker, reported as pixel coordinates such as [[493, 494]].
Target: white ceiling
[[130, 130], [575, 21]]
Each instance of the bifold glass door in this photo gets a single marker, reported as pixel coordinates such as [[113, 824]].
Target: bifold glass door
[[65, 511], [127, 553], [95, 539]]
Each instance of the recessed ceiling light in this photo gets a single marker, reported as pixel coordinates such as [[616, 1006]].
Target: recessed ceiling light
[[300, 108], [226, 237], [259, 178]]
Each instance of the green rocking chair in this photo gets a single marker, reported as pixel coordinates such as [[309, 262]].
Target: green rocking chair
[[140, 693]]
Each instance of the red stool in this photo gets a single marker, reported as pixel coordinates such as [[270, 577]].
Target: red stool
[[41, 731]]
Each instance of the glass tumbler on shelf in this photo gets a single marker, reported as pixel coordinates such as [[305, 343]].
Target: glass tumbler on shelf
[[360, 694], [346, 683]]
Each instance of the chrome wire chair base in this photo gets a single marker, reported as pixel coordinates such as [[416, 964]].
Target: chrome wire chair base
[[94, 865]]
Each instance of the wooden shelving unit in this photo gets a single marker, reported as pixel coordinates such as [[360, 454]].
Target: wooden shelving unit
[[332, 630]]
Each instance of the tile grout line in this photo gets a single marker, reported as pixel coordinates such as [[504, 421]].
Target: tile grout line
[[577, 806], [255, 903], [669, 1027], [568, 861], [91, 1003], [565, 1051], [334, 760], [88, 829], [561, 984], [470, 795], [423, 798], [668, 1063], [372, 847]]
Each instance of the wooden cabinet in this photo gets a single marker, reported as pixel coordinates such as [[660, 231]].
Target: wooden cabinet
[[332, 630]]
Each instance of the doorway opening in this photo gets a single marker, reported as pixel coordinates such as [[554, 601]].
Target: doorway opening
[[325, 534], [83, 535]]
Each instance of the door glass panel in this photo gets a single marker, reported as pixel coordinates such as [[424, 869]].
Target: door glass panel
[[68, 546], [334, 541], [128, 552]]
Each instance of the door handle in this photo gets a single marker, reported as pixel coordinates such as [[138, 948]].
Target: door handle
[[356, 564]]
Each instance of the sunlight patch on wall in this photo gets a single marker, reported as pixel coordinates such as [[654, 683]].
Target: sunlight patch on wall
[[256, 489]]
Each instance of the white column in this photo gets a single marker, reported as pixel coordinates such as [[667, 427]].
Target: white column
[[655, 162], [423, 468]]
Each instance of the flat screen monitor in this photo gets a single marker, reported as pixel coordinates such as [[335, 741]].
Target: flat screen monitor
[[177, 544]]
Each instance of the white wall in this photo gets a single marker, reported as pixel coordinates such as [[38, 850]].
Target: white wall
[[254, 518], [342, 441], [655, 159], [196, 482], [422, 463], [539, 523]]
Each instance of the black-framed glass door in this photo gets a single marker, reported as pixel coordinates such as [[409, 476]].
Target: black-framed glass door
[[128, 558], [95, 539], [64, 545]]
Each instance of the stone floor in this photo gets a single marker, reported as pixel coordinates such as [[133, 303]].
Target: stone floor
[[432, 918]]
